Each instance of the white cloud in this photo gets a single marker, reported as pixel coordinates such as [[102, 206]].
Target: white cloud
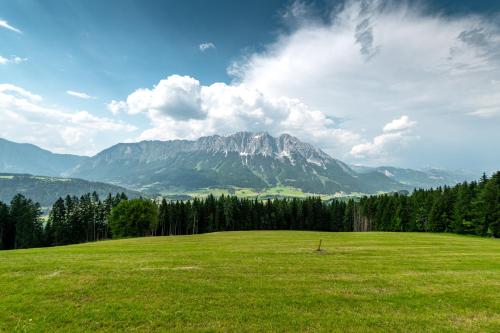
[[177, 97], [24, 118], [399, 124], [81, 95], [116, 106], [18, 60], [180, 107], [486, 112], [14, 60], [6, 25], [396, 134], [6, 88], [206, 46], [336, 82], [377, 147], [372, 61]]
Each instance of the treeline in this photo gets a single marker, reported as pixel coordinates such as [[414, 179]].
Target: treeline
[[20, 224], [467, 208], [228, 213], [79, 220], [71, 220]]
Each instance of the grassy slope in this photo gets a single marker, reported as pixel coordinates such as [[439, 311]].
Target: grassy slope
[[256, 281], [280, 191]]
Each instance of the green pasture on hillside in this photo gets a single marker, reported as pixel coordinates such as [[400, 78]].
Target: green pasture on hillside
[[262, 281]]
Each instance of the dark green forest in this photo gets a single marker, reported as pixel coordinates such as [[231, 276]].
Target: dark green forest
[[71, 220], [467, 208]]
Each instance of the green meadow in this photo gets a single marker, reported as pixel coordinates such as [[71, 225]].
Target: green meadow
[[275, 191], [263, 281]]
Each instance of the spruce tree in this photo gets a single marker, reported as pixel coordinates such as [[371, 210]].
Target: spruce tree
[[25, 214]]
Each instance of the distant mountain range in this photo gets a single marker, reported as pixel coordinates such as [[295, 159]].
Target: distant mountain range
[[28, 158], [241, 160], [426, 178], [252, 160]]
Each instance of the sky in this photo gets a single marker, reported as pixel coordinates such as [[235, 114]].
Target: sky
[[410, 84]]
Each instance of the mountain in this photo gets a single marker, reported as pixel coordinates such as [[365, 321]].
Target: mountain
[[28, 158], [46, 190], [425, 178], [244, 159]]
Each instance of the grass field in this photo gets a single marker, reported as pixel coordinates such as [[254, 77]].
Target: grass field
[[256, 281], [279, 191]]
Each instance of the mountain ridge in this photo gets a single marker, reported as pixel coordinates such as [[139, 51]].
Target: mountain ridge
[[244, 159], [29, 158], [424, 178]]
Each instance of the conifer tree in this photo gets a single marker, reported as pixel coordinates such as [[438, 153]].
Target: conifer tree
[[26, 217]]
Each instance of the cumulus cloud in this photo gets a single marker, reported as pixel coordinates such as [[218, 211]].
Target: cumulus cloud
[[206, 46], [6, 25], [81, 95], [372, 61], [336, 80], [12, 60], [116, 106], [181, 107], [178, 97], [395, 134], [399, 124], [24, 118]]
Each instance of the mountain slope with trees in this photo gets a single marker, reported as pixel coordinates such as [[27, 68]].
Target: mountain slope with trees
[[46, 190]]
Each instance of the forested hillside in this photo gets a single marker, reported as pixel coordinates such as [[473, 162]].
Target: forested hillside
[[46, 190]]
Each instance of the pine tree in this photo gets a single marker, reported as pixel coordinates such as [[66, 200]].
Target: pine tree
[[56, 229], [26, 217], [6, 228]]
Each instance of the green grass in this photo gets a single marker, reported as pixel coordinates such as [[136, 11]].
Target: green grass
[[205, 192], [256, 281], [244, 192]]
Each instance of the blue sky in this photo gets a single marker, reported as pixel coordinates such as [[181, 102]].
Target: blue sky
[[370, 82], [109, 48]]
